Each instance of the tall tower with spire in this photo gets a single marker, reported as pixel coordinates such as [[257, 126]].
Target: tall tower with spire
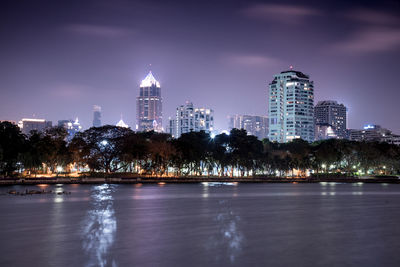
[[149, 105]]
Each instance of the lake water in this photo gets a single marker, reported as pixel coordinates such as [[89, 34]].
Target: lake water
[[325, 224]]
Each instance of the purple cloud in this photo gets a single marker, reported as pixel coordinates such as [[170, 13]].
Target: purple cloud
[[69, 90], [373, 17], [251, 60], [98, 30], [282, 13], [374, 39]]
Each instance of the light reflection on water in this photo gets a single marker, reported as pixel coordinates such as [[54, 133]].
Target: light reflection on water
[[59, 194], [229, 238], [100, 226], [202, 225]]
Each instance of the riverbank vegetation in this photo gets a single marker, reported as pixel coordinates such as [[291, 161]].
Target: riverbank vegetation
[[111, 149]]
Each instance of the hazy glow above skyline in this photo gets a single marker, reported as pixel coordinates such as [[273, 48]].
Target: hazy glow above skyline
[[59, 59]]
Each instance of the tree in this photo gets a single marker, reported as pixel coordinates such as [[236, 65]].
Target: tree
[[54, 149], [135, 150], [220, 154], [194, 149], [12, 146], [246, 151], [99, 147], [162, 152], [326, 153]]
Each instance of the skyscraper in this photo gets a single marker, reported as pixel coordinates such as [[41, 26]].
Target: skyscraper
[[96, 116], [291, 107], [71, 126], [254, 125], [28, 125], [149, 105], [331, 113], [191, 119]]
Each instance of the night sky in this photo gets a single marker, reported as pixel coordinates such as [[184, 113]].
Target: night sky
[[59, 58]]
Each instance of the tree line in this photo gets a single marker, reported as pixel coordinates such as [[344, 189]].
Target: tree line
[[112, 149]]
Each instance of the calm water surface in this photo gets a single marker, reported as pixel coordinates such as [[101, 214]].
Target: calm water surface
[[202, 225]]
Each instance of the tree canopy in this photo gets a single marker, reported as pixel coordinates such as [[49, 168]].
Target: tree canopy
[[115, 149]]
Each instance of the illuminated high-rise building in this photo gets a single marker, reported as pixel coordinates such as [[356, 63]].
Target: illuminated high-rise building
[[291, 107], [191, 119], [254, 125], [39, 125], [334, 114], [149, 105], [96, 116]]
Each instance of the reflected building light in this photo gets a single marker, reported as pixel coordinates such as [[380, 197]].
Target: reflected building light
[[205, 193], [230, 237], [59, 194], [100, 227]]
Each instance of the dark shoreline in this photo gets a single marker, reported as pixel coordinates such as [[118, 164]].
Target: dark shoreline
[[177, 180]]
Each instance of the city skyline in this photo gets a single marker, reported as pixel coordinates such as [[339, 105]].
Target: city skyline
[[58, 67]]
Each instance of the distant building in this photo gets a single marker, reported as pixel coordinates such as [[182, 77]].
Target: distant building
[[96, 116], [28, 125], [71, 126], [324, 131], [291, 107], [393, 139], [149, 105], [372, 133], [254, 125], [191, 119], [122, 124], [334, 114], [171, 127]]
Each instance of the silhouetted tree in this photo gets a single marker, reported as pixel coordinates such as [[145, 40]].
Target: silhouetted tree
[[99, 147], [12, 146]]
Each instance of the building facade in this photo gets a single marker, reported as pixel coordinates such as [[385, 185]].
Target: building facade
[[324, 131], [96, 116], [254, 125], [28, 125], [149, 105], [334, 114], [371, 133], [71, 126], [291, 107], [191, 119]]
